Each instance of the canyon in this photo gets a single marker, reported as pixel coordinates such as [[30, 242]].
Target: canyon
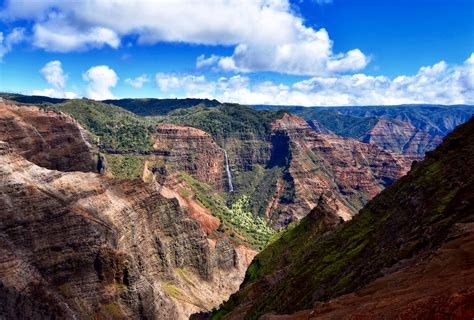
[[407, 254], [87, 245], [107, 214]]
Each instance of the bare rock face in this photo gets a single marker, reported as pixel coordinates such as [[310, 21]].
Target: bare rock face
[[81, 245], [190, 150], [51, 140], [345, 169], [401, 137]]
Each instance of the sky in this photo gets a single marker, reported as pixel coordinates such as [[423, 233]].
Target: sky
[[299, 52]]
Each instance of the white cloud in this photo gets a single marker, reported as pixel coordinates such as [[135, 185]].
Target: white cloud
[[58, 35], [266, 34], [352, 61], [54, 75], [54, 93], [137, 82], [7, 41], [102, 79], [436, 84]]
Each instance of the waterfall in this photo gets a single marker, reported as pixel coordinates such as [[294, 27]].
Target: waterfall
[[227, 170]]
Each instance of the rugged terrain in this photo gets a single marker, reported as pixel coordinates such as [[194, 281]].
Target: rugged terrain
[[54, 141], [109, 214], [275, 160], [345, 169], [406, 232], [401, 137], [80, 244], [408, 129]]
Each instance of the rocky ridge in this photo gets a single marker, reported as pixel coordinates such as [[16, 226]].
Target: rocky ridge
[[52, 140], [349, 171], [419, 228], [401, 137], [190, 150]]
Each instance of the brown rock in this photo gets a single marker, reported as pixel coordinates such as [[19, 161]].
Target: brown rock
[[349, 171], [84, 245], [51, 140]]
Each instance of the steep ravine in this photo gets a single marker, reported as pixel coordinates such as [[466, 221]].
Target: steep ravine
[[88, 245], [83, 245], [382, 263]]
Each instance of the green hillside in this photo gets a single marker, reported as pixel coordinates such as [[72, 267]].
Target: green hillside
[[315, 261]]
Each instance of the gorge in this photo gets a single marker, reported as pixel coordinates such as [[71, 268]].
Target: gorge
[[109, 214]]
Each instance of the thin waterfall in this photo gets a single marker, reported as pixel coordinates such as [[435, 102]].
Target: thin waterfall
[[227, 170]]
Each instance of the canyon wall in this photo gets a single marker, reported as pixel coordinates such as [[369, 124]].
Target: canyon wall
[[350, 171], [52, 140], [79, 244]]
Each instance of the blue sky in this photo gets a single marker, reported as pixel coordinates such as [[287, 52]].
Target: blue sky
[[310, 52]]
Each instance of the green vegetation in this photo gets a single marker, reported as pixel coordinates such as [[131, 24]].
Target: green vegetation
[[159, 107], [237, 220], [114, 127], [125, 166], [412, 216], [172, 290], [227, 120], [343, 125], [245, 134]]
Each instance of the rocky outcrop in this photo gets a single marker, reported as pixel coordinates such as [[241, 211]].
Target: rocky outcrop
[[190, 150], [51, 140], [407, 254], [81, 245], [349, 171], [401, 137]]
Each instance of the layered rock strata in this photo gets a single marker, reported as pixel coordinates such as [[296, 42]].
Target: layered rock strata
[[52, 140], [80, 245], [350, 171]]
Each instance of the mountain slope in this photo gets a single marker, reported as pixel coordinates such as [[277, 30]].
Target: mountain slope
[[410, 219], [55, 141], [349, 171], [407, 129]]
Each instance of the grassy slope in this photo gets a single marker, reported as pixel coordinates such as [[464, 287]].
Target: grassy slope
[[411, 216], [225, 121]]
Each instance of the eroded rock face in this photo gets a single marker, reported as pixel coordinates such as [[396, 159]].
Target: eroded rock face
[[51, 140], [345, 169], [190, 150], [84, 245], [401, 137]]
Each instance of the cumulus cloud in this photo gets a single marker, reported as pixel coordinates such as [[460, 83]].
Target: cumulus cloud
[[266, 34], [137, 82], [436, 84], [8, 41], [101, 80], [53, 74]]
